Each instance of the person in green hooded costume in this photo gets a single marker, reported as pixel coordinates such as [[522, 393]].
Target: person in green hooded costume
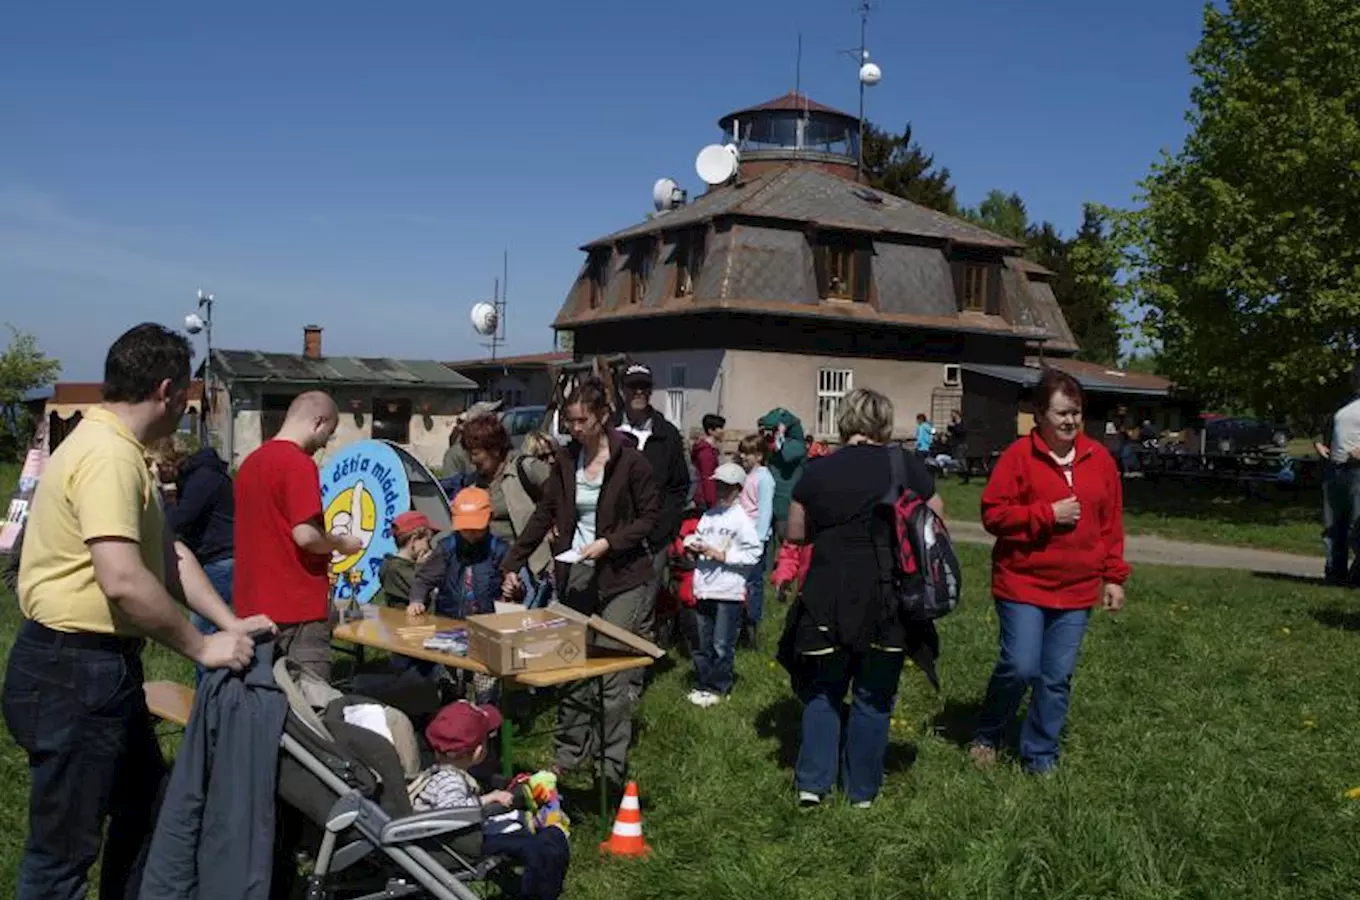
[[788, 453]]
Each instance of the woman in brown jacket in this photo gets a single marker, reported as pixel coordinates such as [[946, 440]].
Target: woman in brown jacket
[[600, 503]]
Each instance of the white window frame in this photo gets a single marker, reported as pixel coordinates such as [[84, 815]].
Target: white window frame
[[832, 386], [675, 407], [953, 375]]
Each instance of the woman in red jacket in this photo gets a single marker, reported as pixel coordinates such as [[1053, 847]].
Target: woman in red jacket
[[1055, 503]]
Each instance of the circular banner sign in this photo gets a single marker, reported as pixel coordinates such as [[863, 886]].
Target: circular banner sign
[[363, 488]]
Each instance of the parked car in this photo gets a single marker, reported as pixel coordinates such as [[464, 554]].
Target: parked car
[[1234, 434], [521, 420]]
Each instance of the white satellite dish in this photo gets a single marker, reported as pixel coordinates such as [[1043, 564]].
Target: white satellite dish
[[716, 164], [193, 323], [870, 74], [485, 318], [667, 195]]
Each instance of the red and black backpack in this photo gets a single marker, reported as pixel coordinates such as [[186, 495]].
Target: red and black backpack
[[924, 578]]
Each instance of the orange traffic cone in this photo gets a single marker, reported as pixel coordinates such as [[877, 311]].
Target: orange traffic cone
[[626, 839]]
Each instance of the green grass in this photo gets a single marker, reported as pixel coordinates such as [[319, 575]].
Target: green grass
[[1210, 747], [1277, 519]]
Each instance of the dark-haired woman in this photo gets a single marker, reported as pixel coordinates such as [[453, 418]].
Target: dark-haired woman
[[600, 502], [1055, 503]]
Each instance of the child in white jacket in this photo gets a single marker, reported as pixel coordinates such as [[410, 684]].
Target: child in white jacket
[[726, 547]]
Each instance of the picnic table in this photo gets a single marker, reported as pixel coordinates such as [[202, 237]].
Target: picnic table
[[1249, 470], [385, 628]]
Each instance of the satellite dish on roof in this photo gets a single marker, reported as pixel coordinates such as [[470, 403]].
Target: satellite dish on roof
[[485, 319], [717, 164], [870, 74], [667, 195]]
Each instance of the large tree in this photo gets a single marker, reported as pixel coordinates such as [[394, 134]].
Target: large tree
[[1246, 252], [897, 164], [1003, 213], [23, 367]]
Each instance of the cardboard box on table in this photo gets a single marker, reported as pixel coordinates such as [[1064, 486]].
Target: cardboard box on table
[[537, 640]]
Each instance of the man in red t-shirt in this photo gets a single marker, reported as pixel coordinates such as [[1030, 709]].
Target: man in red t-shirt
[[283, 550]]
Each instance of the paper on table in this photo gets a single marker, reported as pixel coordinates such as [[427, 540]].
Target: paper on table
[[568, 556]]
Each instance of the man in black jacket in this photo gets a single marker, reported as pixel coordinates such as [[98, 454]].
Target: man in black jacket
[[663, 447]]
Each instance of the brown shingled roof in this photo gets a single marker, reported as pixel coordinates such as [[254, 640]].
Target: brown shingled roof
[[88, 393], [1113, 375], [525, 359], [790, 101]]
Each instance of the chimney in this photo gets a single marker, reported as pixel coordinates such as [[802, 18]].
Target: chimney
[[311, 341]]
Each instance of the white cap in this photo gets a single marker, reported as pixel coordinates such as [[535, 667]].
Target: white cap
[[730, 473]]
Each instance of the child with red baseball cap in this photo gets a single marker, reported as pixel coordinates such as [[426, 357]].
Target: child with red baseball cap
[[458, 735], [412, 531]]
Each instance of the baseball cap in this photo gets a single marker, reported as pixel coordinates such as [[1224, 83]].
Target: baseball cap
[[637, 374], [471, 509], [730, 473], [408, 522], [460, 728]]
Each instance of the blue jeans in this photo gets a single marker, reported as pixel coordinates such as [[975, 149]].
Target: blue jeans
[[719, 625], [1341, 521], [755, 587], [219, 574], [1039, 648], [80, 715], [821, 683]]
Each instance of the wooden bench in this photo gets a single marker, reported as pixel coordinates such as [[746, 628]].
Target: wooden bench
[[169, 701]]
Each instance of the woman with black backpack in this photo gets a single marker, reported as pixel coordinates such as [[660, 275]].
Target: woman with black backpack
[[845, 633]]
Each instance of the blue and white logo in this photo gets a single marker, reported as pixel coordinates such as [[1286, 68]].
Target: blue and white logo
[[363, 489]]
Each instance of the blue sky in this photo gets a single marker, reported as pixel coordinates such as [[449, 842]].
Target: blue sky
[[363, 165]]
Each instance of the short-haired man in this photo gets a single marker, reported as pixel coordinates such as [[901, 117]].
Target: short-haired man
[[706, 456], [98, 571], [283, 549], [660, 442]]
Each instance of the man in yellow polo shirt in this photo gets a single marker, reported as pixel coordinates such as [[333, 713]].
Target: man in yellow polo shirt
[[97, 574]]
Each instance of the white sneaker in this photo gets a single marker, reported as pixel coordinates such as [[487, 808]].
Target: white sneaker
[[703, 699]]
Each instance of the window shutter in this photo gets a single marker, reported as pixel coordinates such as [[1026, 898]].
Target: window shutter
[[956, 268], [819, 265], [863, 273], [993, 290]]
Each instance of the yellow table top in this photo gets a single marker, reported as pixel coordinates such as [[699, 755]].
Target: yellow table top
[[396, 632]]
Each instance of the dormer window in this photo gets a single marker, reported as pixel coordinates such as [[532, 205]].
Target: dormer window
[[689, 256], [974, 288], [977, 286], [597, 276], [640, 257], [844, 266]]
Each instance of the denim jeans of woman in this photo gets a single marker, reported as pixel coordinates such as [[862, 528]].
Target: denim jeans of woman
[[219, 572], [1038, 649], [855, 743]]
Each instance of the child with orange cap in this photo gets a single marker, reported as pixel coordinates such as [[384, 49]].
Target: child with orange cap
[[529, 832], [465, 566]]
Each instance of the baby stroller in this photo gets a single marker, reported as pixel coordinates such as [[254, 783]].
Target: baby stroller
[[345, 805]]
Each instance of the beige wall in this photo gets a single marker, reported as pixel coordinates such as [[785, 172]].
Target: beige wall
[[426, 444], [704, 382], [757, 382]]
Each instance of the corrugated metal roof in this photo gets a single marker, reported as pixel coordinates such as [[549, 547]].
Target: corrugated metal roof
[[1027, 376], [809, 195], [252, 365]]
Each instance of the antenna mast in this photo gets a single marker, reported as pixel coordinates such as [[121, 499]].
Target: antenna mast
[[499, 295], [863, 58]]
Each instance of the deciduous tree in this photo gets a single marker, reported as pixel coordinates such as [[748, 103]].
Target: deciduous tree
[[1246, 251]]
